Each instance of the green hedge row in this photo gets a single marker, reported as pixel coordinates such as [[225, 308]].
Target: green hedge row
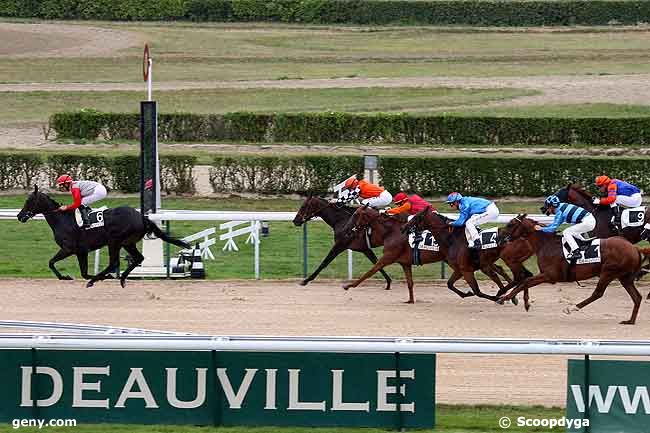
[[432, 12], [332, 127], [23, 170]]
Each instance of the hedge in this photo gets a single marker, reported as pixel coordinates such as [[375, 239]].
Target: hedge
[[432, 12], [357, 128], [493, 177], [23, 170]]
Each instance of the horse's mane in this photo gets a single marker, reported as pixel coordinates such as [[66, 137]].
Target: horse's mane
[[50, 199]]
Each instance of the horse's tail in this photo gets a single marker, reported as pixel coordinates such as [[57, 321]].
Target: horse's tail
[[644, 262], [152, 228]]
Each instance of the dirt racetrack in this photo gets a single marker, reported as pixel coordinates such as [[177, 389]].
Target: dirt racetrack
[[323, 308]]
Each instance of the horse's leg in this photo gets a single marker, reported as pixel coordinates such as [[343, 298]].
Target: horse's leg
[[491, 271], [113, 262], [473, 284], [628, 283], [409, 282], [136, 259], [381, 263], [336, 249], [373, 258], [60, 255], [82, 258], [599, 291], [450, 284], [523, 285], [499, 270]]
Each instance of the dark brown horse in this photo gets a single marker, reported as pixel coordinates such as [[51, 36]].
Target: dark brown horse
[[336, 216], [576, 194], [396, 246], [453, 243], [620, 260]]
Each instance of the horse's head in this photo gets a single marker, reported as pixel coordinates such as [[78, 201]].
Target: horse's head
[[518, 227], [312, 206], [360, 220], [37, 202], [426, 220]]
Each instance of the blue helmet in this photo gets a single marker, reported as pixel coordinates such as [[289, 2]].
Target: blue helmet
[[552, 200], [454, 197]]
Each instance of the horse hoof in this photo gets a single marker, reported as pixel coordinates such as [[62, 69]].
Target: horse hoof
[[89, 284], [500, 301], [410, 301], [346, 287], [66, 278], [527, 307], [387, 288], [122, 283], [627, 322], [304, 282], [515, 301]]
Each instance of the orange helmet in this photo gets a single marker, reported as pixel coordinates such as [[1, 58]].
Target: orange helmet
[[400, 196], [602, 180], [351, 183], [63, 179]]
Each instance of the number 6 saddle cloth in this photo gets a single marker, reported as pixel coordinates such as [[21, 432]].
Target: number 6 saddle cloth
[[95, 218]]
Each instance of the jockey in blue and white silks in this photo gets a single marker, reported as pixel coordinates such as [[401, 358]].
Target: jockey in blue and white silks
[[473, 212], [582, 220]]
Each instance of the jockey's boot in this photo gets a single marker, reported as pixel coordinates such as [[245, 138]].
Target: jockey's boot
[[575, 255], [84, 211]]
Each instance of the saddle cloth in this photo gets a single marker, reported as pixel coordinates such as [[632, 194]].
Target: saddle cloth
[[428, 243], [590, 251], [633, 217], [95, 218], [489, 238]]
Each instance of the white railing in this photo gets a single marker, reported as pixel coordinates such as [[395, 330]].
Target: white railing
[[330, 344]]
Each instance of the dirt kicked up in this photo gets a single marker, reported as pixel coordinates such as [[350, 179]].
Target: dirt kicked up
[[323, 308]]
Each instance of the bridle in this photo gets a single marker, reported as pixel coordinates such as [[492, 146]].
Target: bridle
[[508, 235]]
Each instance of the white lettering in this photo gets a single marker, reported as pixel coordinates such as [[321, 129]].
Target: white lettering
[[383, 390], [603, 405], [79, 386], [337, 395], [136, 377], [640, 393], [294, 398], [57, 387], [172, 398], [271, 374], [235, 400]]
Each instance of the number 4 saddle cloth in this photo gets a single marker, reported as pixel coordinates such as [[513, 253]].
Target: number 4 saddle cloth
[[589, 250]]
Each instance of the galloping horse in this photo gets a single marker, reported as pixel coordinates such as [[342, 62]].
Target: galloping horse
[[388, 230], [337, 216], [576, 194], [123, 227], [619, 260], [454, 245]]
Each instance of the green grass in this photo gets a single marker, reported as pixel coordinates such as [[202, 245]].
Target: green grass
[[38, 106], [449, 419], [206, 52], [562, 111], [281, 252]]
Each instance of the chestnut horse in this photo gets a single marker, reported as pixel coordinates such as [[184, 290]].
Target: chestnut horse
[[453, 243], [396, 246], [336, 216], [620, 260]]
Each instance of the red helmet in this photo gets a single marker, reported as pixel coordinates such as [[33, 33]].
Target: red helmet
[[603, 180], [400, 196], [63, 179], [351, 183]]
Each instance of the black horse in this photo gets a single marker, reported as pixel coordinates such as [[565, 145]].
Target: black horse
[[123, 227], [336, 216]]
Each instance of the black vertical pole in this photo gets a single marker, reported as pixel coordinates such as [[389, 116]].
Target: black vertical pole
[[167, 248], [586, 393]]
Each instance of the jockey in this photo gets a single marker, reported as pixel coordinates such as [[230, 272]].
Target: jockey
[[582, 220], [411, 204], [84, 192], [371, 194], [618, 192], [473, 211]]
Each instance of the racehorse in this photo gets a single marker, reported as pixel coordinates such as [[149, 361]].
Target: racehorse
[[388, 231], [336, 216], [620, 260], [123, 227], [453, 243], [576, 194]]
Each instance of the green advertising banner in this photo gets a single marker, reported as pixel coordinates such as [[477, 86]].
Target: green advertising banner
[[218, 388], [617, 399]]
